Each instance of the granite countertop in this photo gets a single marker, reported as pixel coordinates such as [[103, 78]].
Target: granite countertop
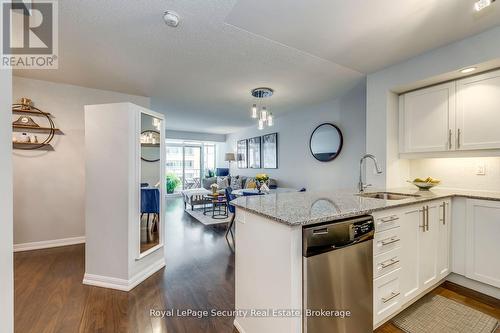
[[304, 208]]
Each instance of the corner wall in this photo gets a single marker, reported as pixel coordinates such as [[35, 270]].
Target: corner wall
[[382, 108], [49, 191], [6, 258], [297, 167]]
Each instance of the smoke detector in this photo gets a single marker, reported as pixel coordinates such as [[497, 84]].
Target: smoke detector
[[171, 18]]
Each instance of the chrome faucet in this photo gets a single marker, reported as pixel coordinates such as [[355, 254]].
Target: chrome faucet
[[361, 186]]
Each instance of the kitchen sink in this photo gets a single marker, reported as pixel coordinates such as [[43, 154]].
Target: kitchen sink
[[387, 195]]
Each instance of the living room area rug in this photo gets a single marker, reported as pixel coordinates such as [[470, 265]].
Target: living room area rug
[[207, 219], [435, 313]]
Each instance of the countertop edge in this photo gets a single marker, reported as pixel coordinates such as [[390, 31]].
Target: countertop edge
[[362, 212]]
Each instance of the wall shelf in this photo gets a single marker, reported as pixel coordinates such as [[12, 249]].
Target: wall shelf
[[31, 112], [30, 146], [26, 124], [47, 129]]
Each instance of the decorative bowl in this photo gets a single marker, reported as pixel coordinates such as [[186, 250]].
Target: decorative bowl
[[424, 186]]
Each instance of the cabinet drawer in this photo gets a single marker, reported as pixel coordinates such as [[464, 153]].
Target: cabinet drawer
[[385, 222], [386, 241], [387, 262], [386, 295]]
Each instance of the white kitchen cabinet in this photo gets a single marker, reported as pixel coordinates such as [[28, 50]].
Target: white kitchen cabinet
[[482, 241], [412, 220], [453, 116], [478, 112], [428, 246], [411, 251], [444, 239], [425, 243], [386, 295], [427, 119]]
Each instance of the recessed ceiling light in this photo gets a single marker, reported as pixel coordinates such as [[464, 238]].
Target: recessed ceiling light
[[171, 18], [468, 70], [482, 4]]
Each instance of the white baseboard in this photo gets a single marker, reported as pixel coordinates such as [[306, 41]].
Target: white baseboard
[[105, 282], [238, 326], [474, 285], [48, 244], [122, 284]]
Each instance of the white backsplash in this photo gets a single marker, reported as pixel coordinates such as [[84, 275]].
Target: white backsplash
[[459, 172]]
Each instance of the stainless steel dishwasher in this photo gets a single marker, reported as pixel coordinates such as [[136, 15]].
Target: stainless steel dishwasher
[[338, 276]]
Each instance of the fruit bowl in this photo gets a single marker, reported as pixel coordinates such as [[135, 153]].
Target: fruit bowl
[[425, 184]]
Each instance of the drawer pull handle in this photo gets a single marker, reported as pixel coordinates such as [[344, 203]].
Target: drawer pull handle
[[390, 241], [387, 299], [389, 219], [388, 263]]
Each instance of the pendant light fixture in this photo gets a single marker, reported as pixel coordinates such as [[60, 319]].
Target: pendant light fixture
[[260, 111]]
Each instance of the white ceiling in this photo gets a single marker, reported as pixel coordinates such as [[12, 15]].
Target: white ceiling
[[360, 34], [201, 73]]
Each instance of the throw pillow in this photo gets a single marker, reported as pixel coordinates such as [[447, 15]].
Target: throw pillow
[[250, 183], [236, 183], [222, 182]]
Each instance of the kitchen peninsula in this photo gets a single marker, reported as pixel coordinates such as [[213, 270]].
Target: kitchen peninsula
[[414, 248]]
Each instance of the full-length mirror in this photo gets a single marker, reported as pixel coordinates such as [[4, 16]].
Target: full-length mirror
[[151, 182], [326, 142]]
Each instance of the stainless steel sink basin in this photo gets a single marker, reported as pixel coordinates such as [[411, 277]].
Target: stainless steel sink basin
[[387, 195]]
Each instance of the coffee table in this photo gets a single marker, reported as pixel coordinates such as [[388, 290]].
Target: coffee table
[[219, 206]]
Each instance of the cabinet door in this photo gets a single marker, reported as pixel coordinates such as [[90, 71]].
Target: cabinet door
[[427, 119], [478, 112], [444, 245], [411, 222], [427, 244], [482, 241]]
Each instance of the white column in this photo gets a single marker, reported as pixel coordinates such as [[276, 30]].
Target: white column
[[6, 229]]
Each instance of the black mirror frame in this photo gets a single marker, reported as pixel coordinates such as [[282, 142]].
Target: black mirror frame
[[340, 145]]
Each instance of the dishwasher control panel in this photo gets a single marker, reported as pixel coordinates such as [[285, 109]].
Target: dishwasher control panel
[[335, 235]]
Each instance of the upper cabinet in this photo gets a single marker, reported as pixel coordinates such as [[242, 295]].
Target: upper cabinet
[[426, 118], [457, 115], [478, 112]]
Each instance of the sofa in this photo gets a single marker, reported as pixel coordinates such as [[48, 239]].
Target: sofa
[[195, 196]]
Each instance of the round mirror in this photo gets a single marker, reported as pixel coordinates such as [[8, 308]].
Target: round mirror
[[326, 142], [150, 146]]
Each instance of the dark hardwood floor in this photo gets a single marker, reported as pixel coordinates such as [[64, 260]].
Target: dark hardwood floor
[[150, 236], [50, 297]]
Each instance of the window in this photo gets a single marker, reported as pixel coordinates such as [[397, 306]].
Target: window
[[190, 162]]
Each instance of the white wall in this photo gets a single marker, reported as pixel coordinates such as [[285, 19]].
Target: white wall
[[459, 172], [49, 188], [195, 136], [6, 262], [381, 104], [297, 167]]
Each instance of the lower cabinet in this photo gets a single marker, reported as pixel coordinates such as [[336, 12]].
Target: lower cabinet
[[444, 241], [410, 257], [482, 241], [386, 295]]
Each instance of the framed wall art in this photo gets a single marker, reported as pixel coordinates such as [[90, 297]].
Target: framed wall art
[[254, 153], [270, 151], [241, 154]]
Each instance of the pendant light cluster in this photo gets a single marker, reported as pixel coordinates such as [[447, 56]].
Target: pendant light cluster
[[259, 111]]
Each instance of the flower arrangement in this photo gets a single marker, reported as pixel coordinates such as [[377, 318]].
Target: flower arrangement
[[262, 177], [214, 188]]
